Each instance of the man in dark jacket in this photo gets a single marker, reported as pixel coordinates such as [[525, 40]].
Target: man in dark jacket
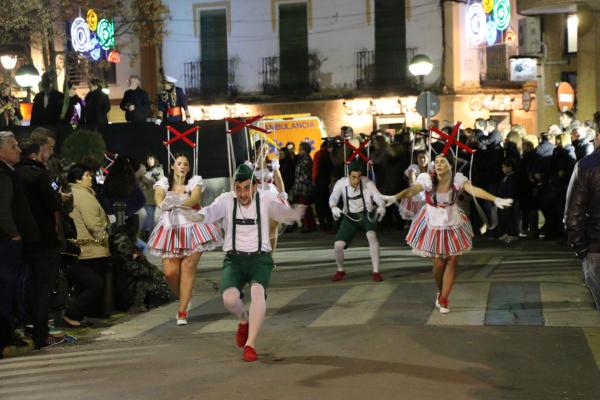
[[136, 102], [582, 218], [97, 105], [47, 104], [42, 256], [583, 147], [16, 225], [322, 178]]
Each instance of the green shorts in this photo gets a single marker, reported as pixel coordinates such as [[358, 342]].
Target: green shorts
[[349, 229], [239, 270]]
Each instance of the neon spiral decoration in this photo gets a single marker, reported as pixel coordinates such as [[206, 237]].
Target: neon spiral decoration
[[476, 21], [106, 34], [95, 49], [80, 35], [488, 6], [491, 34], [502, 14], [511, 37], [92, 20]]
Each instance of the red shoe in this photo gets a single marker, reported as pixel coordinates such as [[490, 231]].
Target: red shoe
[[443, 305], [377, 277], [339, 275], [249, 354], [241, 337]]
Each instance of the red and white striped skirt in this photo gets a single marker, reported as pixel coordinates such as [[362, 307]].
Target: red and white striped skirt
[[173, 237], [439, 241], [409, 207]]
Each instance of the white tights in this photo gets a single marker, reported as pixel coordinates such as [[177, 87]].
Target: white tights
[[258, 309], [338, 250]]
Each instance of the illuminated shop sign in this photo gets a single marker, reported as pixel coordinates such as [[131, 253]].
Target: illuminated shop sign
[[487, 22], [523, 69]]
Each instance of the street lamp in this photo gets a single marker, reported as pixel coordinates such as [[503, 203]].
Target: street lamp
[[28, 76], [8, 61], [420, 66]]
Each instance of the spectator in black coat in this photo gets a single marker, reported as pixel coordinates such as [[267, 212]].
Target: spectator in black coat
[[322, 168], [529, 209], [16, 224], [42, 257], [579, 138], [76, 109], [97, 105], [287, 167], [510, 218], [48, 103], [136, 102], [121, 189]]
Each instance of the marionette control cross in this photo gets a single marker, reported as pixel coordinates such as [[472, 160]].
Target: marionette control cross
[[181, 136], [451, 139], [356, 151], [245, 124]]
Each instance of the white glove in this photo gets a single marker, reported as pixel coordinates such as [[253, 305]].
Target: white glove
[[502, 203], [190, 121], [283, 196], [157, 121], [336, 212], [275, 164], [389, 200], [112, 219], [380, 213], [171, 201]]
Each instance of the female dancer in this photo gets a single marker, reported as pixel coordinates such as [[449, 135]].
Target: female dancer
[[441, 230], [175, 238], [410, 206]]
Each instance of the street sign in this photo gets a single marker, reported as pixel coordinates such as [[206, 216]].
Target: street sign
[[565, 96], [428, 104]]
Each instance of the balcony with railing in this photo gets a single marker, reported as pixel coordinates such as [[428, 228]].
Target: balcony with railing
[[210, 78], [378, 70], [496, 69], [300, 81]]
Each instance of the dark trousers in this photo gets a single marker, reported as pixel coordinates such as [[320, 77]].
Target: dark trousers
[[510, 220], [11, 256], [322, 207], [43, 267], [88, 278], [591, 274], [308, 221]]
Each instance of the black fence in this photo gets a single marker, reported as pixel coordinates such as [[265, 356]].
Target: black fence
[[216, 77], [376, 70]]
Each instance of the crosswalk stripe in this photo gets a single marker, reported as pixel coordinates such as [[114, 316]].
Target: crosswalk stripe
[[74, 354], [61, 361], [74, 367], [54, 386], [467, 304], [568, 305], [356, 307], [488, 268], [276, 299], [147, 321], [68, 393]]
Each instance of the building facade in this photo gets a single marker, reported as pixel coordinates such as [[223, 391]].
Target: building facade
[[344, 61]]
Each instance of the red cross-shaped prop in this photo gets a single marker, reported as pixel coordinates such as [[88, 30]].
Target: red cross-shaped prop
[[181, 136], [357, 151], [451, 139], [245, 124]]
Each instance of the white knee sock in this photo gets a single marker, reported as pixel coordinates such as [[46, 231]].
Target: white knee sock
[[233, 303], [373, 249], [338, 252], [258, 308]]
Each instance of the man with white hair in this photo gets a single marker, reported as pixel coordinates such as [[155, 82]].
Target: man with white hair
[[582, 218], [136, 102], [579, 139], [16, 225]]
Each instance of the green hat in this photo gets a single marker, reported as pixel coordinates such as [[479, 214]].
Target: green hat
[[243, 173], [355, 166]]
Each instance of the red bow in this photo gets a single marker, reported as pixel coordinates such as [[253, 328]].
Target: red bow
[[451, 139], [181, 136], [356, 151]]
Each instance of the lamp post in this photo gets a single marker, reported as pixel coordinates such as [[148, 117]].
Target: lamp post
[[420, 66], [27, 76]]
